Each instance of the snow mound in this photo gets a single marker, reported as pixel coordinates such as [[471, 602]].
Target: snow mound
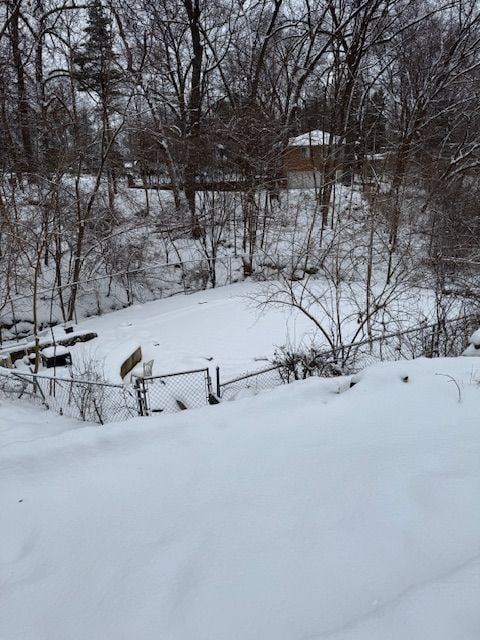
[[317, 510], [473, 348]]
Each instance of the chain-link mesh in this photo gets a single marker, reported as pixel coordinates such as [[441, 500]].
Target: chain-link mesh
[[448, 338], [175, 391], [88, 401], [102, 402], [118, 290], [262, 380]]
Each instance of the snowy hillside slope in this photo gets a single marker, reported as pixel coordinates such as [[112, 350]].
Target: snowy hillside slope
[[225, 327], [314, 511], [22, 423]]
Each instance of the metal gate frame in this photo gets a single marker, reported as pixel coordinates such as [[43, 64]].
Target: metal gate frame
[[174, 392]]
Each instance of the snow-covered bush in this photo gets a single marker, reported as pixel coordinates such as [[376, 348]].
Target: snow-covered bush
[[473, 348], [196, 276], [303, 363]]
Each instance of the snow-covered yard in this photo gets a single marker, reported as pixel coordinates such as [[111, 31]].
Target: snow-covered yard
[[217, 327], [314, 511], [220, 327], [225, 327]]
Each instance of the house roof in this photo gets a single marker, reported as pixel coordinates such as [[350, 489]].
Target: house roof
[[314, 138]]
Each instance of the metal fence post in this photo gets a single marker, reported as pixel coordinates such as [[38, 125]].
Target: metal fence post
[[211, 397], [140, 393], [14, 320], [217, 379], [129, 290]]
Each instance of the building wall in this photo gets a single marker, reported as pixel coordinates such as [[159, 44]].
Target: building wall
[[304, 167], [304, 179], [304, 159]]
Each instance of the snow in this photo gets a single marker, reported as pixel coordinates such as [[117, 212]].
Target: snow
[[376, 156], [57, 350], [473, 345], [225, 327], [314, 138], [218, 327], [22, 423], [314, 511], [117, 356], [46, 337]]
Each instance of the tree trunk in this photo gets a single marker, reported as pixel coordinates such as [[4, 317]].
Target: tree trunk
[[27, 163]]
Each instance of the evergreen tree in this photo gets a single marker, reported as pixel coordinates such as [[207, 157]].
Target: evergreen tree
[[96, 63], [97, 71]]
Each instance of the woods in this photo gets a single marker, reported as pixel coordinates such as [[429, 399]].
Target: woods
[[150, 132]]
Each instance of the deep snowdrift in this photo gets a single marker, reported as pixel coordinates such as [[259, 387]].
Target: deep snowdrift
[[301, 513]]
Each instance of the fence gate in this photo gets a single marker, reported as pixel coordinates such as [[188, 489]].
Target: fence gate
[[173, 392]]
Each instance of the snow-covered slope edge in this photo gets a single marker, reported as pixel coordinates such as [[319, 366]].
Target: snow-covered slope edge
[[300, 513]]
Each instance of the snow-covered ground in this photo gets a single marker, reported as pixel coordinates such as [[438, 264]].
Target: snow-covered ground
[[314, 511], [225, 327], [22, 423], [221, 327]]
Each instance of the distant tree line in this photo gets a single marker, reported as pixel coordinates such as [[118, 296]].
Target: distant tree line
[[212, 90]]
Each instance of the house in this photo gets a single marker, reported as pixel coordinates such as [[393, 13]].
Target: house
[[306, 156]]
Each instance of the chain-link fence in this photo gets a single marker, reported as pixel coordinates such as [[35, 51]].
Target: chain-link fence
[[85, 400], [447, 338], [105, 293], [98, 295], [262, 380], [174, 392], [101, 402]]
